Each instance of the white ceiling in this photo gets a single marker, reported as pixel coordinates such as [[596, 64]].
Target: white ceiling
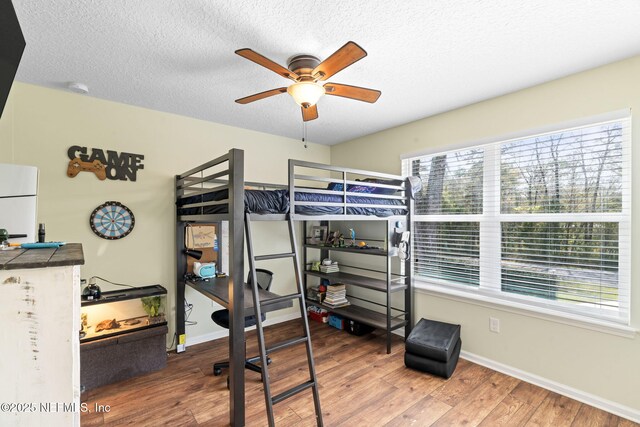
[[426, 56]]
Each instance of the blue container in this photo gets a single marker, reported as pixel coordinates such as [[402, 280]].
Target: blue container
[[336, 321]]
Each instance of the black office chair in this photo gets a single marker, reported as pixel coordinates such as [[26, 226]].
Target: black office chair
[[221, 317]]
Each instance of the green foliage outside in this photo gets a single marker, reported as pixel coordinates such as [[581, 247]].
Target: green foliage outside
[[575, 172]]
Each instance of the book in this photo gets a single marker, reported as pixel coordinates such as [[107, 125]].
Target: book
[[336, 305], [334, 296]]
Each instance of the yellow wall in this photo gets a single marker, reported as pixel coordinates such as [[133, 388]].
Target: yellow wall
[[39, 125], [591, 362]]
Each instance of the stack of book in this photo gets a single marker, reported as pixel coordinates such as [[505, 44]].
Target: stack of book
[[336, 296], [333, 268]]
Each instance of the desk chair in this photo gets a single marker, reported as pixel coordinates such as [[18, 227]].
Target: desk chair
[[221, 317]]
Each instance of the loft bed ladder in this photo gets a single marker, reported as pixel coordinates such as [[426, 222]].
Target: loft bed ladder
[[312, 383]]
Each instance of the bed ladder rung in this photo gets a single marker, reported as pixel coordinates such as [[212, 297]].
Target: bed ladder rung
[[285, 344], [274, 256], [277, 300], [293, 391]]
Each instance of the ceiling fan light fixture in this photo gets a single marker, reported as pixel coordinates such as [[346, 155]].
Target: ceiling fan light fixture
[[309, 75], [306, 94]]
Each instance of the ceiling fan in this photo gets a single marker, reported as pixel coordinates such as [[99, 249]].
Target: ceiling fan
[[307, 72]]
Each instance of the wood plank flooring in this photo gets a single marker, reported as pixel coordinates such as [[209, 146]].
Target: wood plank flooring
[[360, 385]]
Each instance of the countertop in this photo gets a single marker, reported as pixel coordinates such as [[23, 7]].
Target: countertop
[[69, 254]]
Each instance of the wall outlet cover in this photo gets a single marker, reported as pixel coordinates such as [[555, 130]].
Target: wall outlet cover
[[494, 324]]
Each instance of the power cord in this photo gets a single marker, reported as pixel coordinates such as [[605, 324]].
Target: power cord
[[109, 281], [173, 340], [188, 308]]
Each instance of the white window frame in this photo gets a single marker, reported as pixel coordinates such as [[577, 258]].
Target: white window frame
[[489, 292]]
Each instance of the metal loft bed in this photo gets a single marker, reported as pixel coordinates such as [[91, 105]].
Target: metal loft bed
[[216, 192]]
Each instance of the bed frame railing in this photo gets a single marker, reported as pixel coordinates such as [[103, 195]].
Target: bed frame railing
[[317, 176], [213, 176]]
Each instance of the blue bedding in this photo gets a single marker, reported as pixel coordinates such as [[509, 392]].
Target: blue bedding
[[399, 208], [255, 201], [277, 202]]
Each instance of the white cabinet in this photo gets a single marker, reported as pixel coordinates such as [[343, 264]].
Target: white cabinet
[[40, 318]]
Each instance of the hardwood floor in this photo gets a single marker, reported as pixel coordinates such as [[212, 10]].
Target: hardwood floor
[[360, 385]]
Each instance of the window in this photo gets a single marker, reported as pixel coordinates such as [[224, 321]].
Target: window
[[542, 219]]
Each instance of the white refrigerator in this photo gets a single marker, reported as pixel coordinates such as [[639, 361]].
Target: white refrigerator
[[18, 201]]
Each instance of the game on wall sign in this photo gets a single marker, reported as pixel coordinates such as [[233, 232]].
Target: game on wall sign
[[123, 166]]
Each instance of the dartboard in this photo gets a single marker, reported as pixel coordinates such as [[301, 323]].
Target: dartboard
[[112, 220]]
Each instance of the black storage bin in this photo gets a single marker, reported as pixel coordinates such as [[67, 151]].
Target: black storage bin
[[435, 367], [433, 347], [357, 328], [433, 340]]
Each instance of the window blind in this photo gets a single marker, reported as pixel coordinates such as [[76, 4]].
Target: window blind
[[542, 219], [448, 250], [452, 183]]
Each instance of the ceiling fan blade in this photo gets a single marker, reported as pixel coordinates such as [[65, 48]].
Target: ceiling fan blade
[[339, 60], [261, 95], [353, 92], [309, 113], [267, 63]]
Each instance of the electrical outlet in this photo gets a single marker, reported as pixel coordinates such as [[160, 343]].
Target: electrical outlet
[[494, 324]]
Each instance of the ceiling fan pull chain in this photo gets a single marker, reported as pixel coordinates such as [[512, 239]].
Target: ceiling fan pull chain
[[304, 134]]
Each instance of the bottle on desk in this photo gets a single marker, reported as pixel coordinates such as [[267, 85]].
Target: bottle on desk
[[41, 233]]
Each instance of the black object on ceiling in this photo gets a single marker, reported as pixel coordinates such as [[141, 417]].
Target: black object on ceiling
[[11, 47]]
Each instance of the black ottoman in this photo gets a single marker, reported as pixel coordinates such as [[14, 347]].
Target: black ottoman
[[433, 347]]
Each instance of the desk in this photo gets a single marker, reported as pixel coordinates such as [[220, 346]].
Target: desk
[[217, 289]]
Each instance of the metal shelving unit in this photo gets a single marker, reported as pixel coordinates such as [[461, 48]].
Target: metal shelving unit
[[390, 318]]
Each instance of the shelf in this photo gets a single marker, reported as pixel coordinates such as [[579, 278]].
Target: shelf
[[361, 281], [377, 252], [362, 315], [129, 293]]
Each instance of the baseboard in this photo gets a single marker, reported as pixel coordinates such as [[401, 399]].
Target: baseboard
[[271, 320], [581, 396], [199, 339]]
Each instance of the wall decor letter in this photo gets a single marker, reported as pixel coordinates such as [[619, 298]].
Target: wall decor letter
[[111, 165]]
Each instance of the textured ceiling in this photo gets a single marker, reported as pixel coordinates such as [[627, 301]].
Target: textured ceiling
[[426, 56]]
